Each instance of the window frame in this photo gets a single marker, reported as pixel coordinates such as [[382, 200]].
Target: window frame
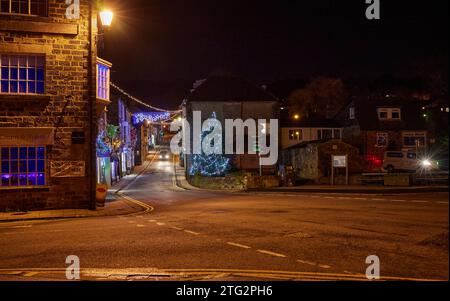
[[351, 113], [27, 68], [103, 80], [29, 9], [382, 134], [19, 160], [293, 135], [415, 135], [389, 112]]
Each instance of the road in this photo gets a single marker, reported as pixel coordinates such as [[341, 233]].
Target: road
[[196, 235]]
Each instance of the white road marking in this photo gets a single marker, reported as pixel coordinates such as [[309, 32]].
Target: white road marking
[[152, 220], [442, 203], [191, 232], [306, 262], [238, 245], [419, 201], [26, 226], [140, 226], [271, 253], [378, 200], [160, 224], [177, 228], [324, 266], [398, 201], [360, 199], [329, 197]]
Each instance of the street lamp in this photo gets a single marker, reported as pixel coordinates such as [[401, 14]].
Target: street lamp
[[106, 17]]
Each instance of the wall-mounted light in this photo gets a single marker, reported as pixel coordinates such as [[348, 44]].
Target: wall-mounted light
[[106, 17]]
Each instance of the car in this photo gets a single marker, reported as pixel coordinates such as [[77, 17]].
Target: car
[[408, 161], [164, 155]]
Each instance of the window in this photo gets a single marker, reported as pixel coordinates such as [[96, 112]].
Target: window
[[389, 114], [382, 140], [327, 134], [394, 154], [295, 135], [413, 139], [22, 74], [395, 114], [103, 72], [351, 113], [22, 166], [24, 7]]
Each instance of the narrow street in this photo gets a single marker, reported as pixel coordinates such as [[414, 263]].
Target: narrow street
[[195, 235]]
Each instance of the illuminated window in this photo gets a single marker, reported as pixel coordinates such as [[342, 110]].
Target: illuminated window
[[22, 166], [24, 7], [22, 74], [412, 139], [295, 134], [389, 114], [103, 77]]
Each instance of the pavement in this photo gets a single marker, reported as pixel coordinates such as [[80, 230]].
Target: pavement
[[210, 235], [116, 204]]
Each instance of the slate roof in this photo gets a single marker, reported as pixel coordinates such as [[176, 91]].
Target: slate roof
[[229, 88]]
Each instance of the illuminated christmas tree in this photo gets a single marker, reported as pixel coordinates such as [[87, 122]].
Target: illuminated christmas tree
[[209, 165]]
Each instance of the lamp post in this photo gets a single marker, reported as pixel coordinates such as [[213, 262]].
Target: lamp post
[[106, 18]]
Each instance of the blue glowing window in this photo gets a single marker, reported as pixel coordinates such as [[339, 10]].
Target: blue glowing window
[[22, 166], [22, 74]]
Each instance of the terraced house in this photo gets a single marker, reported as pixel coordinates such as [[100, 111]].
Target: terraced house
[[50, 103]]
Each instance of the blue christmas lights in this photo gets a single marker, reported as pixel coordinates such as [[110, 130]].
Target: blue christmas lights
[[209, 165], [150, 117]]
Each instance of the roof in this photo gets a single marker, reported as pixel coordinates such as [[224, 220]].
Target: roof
[[229, 88], [315, 143], [311, 122], [367, 115]]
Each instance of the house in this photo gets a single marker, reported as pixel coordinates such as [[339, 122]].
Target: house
[[122, 149], [228, 97], [48, 105], [312, 128], [378, 125]]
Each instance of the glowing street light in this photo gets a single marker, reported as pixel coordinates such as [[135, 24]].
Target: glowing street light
[[106, 16], [296, 117]]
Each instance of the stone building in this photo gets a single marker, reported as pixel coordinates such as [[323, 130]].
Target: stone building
[[48, 104]]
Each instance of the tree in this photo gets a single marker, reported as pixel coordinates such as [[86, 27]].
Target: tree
[[323, 97], [209, 165]]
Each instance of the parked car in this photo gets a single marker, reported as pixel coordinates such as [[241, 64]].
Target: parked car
[[164, 155], [407, 161]]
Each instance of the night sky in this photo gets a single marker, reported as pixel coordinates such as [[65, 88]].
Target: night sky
[[159, 47]]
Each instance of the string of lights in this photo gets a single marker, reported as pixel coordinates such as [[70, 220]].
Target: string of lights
[[140, 101]]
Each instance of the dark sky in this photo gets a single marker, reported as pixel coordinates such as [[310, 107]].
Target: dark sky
[[158, 47]]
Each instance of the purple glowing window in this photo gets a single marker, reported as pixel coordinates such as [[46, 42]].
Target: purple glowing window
[[22, 166], [24, 74]]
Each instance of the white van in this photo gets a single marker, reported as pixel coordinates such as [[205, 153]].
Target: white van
[[406, 160]]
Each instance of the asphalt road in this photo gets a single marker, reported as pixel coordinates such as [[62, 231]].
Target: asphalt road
[[196, 235]]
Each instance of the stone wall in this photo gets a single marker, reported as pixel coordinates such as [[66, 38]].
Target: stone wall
[[64, 106]]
